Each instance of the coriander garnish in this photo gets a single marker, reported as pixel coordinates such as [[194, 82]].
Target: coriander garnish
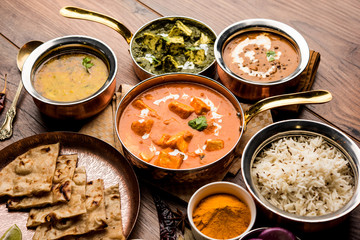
[[87, 63], [270, 55], [198, 123]]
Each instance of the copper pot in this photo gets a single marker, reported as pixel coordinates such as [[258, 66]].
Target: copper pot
[[220, 167], [79, 109], [255, 90], [141, 73]]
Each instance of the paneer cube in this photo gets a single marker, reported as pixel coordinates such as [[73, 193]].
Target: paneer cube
[[213, 145], [199, 106], [162, 141], [169, 161], [182, 110], [147, 156], [139, 104], [180, 141], [142, 127]]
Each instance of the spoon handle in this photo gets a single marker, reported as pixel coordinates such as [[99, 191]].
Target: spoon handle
[[315, 96], [80, 13], [6, 129]]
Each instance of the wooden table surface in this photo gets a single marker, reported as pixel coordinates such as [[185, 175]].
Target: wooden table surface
[[330, 27]]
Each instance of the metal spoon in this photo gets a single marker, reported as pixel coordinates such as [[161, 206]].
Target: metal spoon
[[24, 52]]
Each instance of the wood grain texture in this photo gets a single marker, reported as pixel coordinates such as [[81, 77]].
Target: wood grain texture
[[333, 29]]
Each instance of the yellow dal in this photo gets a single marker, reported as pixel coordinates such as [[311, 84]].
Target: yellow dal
[[64, 78]]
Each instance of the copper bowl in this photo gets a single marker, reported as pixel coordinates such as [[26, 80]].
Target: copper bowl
[[141, 73], [79, 109], [217, 169], [255, 90], [305, 128]]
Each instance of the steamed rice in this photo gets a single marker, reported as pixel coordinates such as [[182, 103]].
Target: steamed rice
[[304, 176]]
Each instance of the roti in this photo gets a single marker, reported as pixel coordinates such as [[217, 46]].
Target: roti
[[30, 173], [76, 205], [114, 229], [94, 219], [61, 189]]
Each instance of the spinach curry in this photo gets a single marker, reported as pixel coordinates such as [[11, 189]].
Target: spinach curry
[[174, 45]]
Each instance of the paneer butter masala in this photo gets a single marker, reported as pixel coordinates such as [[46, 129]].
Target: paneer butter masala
[[179, 126]]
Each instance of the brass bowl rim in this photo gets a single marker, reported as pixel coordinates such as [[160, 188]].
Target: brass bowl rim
[[45, 49], [259, 23]]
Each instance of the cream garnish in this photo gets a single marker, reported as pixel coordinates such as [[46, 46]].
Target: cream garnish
[[260, 40], [187, 65], [164, 99], [145, 136], [176, 152], [144, 113]]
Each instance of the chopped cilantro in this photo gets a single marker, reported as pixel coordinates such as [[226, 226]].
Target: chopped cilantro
[[87, 63], [271, 55], [198, 123]]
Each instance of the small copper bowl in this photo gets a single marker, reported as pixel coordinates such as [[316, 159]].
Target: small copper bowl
[[79, 109], [255, 90]]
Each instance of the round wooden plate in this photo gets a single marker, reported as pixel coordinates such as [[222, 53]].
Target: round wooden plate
[[100, 159]]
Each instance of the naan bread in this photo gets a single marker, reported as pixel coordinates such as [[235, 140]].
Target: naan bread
[[76, 205], [61, 189], [30, 173], [114, 229], [94, 219]]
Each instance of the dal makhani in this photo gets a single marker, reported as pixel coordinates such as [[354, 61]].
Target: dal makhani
[[261, 56], [179, 126], [70, 77]]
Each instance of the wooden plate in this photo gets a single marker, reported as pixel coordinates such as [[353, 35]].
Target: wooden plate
[[101, 161]]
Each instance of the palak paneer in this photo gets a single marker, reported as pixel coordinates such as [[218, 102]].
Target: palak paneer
[[174, 45]]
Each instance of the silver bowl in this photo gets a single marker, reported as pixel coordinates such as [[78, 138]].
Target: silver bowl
[[79, 109], [253, 90], [295, 128]]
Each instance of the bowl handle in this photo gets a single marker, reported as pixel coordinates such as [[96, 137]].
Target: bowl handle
[[80, 13], [315, 96]]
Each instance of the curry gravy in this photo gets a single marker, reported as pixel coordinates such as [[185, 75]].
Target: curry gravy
[[153, 111], [64, 77], [261, 56]]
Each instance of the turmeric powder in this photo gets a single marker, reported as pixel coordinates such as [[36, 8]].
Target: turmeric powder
[[221, 216]]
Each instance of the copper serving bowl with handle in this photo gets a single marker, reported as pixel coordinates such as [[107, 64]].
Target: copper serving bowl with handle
[[79, 109], [218, 168], [141, 73], [249, 90]]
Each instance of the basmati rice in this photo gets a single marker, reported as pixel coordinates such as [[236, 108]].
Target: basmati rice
[[304, 175]]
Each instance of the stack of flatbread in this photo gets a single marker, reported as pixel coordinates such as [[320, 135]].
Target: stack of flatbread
[[62, 203]]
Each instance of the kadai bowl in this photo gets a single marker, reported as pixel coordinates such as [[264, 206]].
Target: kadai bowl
[[164, 45], [71, 77], [187, 127], [258, 58], [303, 174]]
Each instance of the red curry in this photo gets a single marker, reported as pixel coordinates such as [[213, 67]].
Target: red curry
[[179, 126]]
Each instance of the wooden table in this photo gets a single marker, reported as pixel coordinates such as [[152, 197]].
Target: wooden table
[[330, 27]]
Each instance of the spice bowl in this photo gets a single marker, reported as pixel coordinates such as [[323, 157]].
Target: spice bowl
[[226, 191]]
